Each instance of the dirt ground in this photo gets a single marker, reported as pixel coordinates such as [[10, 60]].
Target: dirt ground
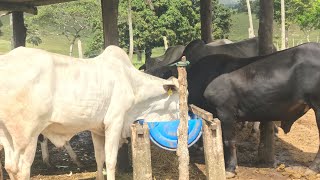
[[294, 152]]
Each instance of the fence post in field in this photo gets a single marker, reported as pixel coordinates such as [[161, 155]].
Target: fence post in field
[[251, 31], [293, 44], [165, 42], [80, 49], [283, 28]]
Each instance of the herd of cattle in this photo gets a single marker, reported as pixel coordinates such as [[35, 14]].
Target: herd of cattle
[[59, 96]]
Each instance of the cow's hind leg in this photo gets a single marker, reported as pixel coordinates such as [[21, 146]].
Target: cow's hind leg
[[112, 136], [230, 152], [98, 143], [21, 159], [72, 154], [314, 167]]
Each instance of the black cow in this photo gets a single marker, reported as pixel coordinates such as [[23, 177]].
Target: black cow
[[171, 55], [282, 87], [197, 50], [174, 54]]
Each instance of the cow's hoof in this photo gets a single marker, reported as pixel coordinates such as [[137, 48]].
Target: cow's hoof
[[230, 174]]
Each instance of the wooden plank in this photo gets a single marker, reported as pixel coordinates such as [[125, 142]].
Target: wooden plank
[[213, 150], [48, 2], [36, 2], [182, 150], [201, 113], [4, 6], [141, 153]]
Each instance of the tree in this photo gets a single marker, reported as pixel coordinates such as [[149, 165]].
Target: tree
[[206, 20], [242, 6], [296, 11], [178, 20], [308, 19], [70, 19]]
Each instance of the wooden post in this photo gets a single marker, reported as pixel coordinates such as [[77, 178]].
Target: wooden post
[[293, 44], [212, 142], [141, 154], [182, 150], [19, 30], [165, 42], [266, 146], [80, 49], [206, 20], [110, 22], [70, 50]]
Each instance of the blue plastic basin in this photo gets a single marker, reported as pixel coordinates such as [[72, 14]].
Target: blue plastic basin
[[164, 134]]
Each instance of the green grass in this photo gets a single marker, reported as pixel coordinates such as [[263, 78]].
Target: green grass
[[240, 25]]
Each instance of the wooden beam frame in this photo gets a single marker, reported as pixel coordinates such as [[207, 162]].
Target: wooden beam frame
[[6, 6], [212, 143], [48, 2]]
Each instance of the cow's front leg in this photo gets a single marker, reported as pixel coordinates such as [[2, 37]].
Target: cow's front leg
[[98, 143], [44, 150], [230, 152], [72, 154], [112, 137]]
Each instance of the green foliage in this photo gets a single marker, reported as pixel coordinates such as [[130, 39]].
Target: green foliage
[[33, 34], [308, 19], [222, 21], [242, 6], [178, 20], [68, 19], [291, 9]]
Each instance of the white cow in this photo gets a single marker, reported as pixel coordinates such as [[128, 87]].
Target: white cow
[[59, 96]]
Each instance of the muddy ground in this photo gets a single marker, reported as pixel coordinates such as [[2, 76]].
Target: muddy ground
[[294, 151]]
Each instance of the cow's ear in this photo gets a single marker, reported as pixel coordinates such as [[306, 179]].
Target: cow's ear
[[172, 85]]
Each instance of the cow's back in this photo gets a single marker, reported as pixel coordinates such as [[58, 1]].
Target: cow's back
[[267, 88]]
